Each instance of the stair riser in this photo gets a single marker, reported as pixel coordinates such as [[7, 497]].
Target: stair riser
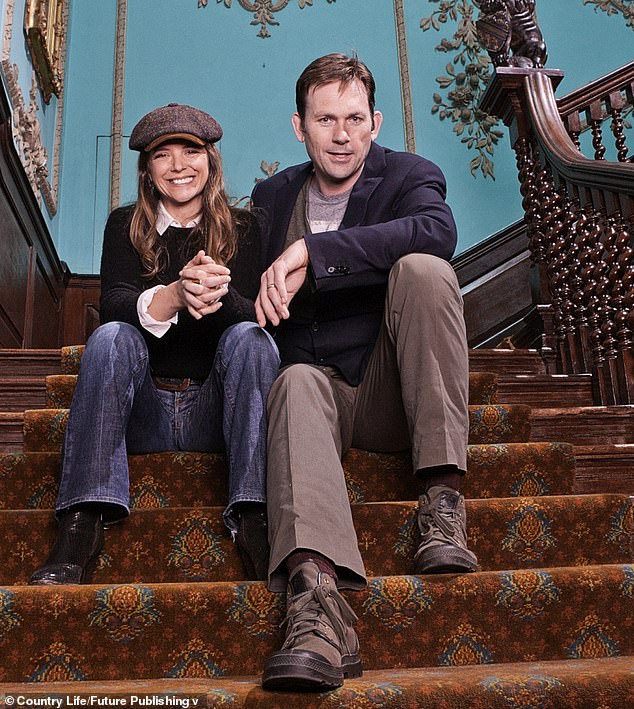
[[137, 632], [19, 400], [484, 388], [29, 363], [546, 391], [176, 545], [44, 429], [11, 432], [60, 389], [29, 481], [508, 362], [584, 426]]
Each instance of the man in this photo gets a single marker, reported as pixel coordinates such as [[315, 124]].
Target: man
[[370, 329]]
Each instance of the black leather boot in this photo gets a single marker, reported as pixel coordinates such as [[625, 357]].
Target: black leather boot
[[252, 541], [75, 552]]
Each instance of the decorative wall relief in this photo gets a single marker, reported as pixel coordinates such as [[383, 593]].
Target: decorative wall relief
[[45, 29], [614, 7], [467, 75], [263, 11], [269, 169], [469, 71], [26, 126]]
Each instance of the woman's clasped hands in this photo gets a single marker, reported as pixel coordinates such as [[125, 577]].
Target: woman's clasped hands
[[202, 284]]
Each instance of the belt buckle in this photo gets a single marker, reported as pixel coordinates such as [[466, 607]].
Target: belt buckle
[[171, 384]]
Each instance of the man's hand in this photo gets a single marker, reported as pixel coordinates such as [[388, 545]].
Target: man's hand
[[202, 284], [280, 282]]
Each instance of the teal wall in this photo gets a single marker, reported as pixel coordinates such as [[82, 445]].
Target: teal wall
[[212, 57]]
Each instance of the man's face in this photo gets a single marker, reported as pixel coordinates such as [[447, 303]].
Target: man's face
[[338, 130]]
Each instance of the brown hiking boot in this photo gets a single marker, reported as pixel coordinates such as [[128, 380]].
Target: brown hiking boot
[[321, 647], [442, 520]]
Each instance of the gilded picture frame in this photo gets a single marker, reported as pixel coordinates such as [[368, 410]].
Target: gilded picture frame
[[44, 26]]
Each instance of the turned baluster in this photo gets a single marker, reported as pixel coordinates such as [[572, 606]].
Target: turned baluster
[[604, 292], [526, 170], [595, 118], [551, 218], [616, 103], [622, 272], [625, 324], [533, 201], [556, 226], [593, 305], [583, 240], [571, 283], [573, 126]]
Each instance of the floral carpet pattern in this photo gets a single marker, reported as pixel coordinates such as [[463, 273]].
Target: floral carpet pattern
[[546, 622]]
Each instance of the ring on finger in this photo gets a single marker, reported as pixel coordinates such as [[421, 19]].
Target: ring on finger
[[197, 281], [271, 285]]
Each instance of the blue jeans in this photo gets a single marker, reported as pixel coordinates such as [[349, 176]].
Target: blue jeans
[[116, 410]]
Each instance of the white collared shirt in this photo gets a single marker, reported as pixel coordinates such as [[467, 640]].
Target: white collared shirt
[[164, 220]]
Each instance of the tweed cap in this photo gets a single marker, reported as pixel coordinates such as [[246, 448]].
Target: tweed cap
[[175, 120]]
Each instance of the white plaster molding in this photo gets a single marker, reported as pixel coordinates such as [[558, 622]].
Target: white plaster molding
[[116, 144], [404, 75], [27, 133]]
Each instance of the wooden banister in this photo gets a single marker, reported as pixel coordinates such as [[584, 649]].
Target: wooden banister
[[562, 154], [579, 213]]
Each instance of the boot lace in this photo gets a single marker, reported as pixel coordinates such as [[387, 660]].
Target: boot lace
[[444, 518], [306, 616]]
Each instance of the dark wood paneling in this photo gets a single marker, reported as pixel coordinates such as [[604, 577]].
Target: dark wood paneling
[[81, 308], [15, 266], [47, 308], [495, 284], [31, 274]]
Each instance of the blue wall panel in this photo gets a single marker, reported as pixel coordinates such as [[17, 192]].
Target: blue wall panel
[[213, 57], [87, 116]]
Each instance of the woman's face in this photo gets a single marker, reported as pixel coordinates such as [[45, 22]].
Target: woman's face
[[179, 171]]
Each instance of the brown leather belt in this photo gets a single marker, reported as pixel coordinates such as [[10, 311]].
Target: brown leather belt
[[175, 383]]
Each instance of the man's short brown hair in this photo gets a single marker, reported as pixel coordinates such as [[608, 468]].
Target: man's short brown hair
[[329, 68]]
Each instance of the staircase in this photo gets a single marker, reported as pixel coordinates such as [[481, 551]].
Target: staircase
[[548, 621]]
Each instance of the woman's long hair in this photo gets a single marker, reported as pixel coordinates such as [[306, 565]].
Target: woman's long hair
[[215, 233]]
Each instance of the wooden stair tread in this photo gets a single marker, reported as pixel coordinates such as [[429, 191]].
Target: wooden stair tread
[[545, 390], [583, 425], [29, 361], [506, 361], [609, 468], [18, 393], [11, 433]]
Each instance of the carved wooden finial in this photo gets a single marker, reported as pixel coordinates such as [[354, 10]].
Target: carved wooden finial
[[509, 32]]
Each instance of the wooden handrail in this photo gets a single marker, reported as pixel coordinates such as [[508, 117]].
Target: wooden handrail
[[578, 99], [559, 149]]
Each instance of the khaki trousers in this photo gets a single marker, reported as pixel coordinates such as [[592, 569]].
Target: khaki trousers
[[414, 393]]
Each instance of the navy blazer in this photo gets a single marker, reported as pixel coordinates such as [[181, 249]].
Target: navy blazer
[[396, 207]]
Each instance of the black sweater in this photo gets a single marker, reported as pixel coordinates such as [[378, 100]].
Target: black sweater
[[188, 348]]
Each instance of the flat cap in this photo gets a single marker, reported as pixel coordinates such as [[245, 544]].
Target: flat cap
[[175, 120]]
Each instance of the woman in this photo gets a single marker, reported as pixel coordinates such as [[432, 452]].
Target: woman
[[179, 363]]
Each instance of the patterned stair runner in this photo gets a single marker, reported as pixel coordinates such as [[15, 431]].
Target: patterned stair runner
[[547, 621]]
